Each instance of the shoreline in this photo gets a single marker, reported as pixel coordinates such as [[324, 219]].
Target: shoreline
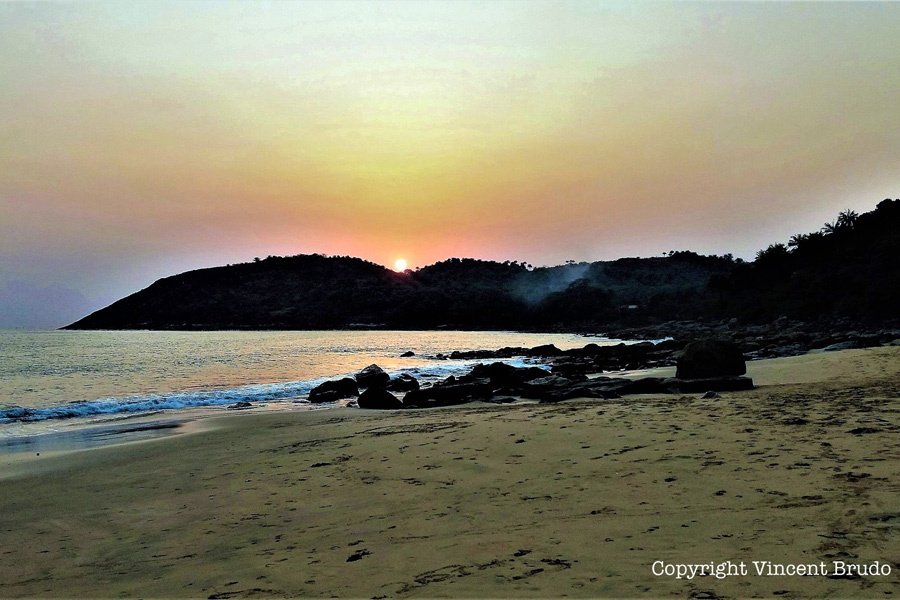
[[222, 377], [529, 500], [130, 427]]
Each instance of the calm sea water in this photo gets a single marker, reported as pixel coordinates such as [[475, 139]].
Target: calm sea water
[[51, 378]]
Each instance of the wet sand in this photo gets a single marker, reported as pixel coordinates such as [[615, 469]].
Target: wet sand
[[576, 499]]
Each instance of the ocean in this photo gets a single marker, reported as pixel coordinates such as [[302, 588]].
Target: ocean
[[53, 381]]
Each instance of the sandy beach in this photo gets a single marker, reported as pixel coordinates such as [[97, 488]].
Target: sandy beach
[[576, 499]]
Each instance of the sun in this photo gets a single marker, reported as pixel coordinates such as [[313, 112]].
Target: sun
[[400, 265]]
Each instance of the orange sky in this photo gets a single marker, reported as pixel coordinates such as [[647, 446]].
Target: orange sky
[[142, 139]]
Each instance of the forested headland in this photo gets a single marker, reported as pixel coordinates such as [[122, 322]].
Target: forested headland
[[847, 270]]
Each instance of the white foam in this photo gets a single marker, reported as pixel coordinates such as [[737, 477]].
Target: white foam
[[292, 391]]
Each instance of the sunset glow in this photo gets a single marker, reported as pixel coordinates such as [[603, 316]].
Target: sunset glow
[[138, 140]]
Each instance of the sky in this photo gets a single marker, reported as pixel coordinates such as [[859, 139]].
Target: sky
[[143, 139]]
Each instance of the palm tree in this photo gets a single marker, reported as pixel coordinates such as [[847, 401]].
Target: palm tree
[[829, 228], [847, 219], [797, 240]]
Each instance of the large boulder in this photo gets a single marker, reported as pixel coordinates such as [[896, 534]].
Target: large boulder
[[372, 376], [704, 359], [544, 351], [403, 383], [378, 398], [331, 391]]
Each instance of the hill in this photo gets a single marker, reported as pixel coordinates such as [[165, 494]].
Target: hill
[[319, 292], [846, 270]]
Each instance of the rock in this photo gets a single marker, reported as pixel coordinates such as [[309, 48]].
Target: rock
[[378, 398], [577, 391], [710, 395], [556, 389], [545, 350], [542, 386], [505, 352], [501, 400], [549, 381], [849, 345], [646, 385], [821, 342], [710, 358], [894, 342], [403, 383], [447, 395], [372, 376], [572, 368], [502, 374], [242, 405], [788, 350], [510, 351], [448, 381], [407, 354], [333, 390]]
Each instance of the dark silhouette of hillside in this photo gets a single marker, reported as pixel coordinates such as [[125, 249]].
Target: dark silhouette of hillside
[[846, 270], [318, 292]]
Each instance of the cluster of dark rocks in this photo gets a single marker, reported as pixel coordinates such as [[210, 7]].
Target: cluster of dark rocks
[[375, 383], [703, 366], [592, 358], [781, 337]]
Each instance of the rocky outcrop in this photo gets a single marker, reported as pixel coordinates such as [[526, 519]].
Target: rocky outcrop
[[331, 391], [848, 345], [593, 358], [782, 337], [372, 376], [378, 398], [708, 358], [606, 387], [710, 366], [502, 375]]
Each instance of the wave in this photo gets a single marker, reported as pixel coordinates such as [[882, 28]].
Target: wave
[[292, 391]]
